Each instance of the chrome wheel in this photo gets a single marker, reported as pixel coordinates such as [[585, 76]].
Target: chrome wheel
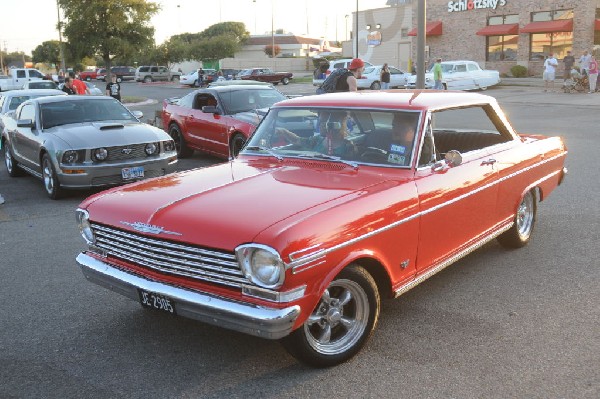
[[8, 159], [48, 175], [340, 320], [525, 216]]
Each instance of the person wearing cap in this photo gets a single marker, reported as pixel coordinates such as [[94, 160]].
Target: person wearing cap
[[348, 82], [549, 72]]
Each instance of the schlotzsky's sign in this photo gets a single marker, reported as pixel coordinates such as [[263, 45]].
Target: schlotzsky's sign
[[468, 5]]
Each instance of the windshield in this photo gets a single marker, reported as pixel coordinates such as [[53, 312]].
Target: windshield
[[385, 138], [245, 100], [89, 110]]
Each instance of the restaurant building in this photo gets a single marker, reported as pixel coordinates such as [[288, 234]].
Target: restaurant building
[[496, 33]]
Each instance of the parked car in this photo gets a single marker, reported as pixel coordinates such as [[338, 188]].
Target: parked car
[[123, 73], [229, 73], [267, 75], [460, 75], [371, 78], [40, 84], [101, 74], [10, 100], [17, 77], [217, 120], [191, 79], [94, 91], [149, 74], [333, 65], [291, 242], [77, 142], [243, 72], [89, 75]]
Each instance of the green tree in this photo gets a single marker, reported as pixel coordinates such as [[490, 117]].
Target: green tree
[[48, 52], [269, 50], [108, 28], [218, 41]]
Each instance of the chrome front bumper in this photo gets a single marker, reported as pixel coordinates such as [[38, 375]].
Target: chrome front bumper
[[247, 318]]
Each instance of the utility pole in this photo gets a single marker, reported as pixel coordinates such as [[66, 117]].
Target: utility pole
[[62, 50], [421, 18], [356, 32], [273, 33], [1, 59]]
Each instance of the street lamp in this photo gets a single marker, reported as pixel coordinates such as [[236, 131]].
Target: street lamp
[[273, 33], [356, 31], [346, 17]]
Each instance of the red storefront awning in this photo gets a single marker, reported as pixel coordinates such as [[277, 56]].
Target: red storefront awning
[[597, 25], [558, 25], [499, 30], [432, 29]]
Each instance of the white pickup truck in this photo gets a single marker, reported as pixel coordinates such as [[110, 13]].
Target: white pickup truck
[[17, 77]]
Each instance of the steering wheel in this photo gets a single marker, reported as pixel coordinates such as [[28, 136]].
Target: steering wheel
[[374, 154]]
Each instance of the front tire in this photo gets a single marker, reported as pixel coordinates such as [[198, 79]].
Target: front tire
[[375, 86], [148, 79], [88, 78], [119, 79], [520, 233], [183, 150], [341, 323], [285, 81], [51, 183]]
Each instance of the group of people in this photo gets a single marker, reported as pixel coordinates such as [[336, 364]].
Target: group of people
[[73, 85], [588, 66]]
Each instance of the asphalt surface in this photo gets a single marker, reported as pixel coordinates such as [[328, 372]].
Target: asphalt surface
[[497, 324]]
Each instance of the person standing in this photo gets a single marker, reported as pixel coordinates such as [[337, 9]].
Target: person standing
[[68, 86], [385, 77], [568, 63], [437, 75], [80, 87], [584, 63], [113, 88], [200, 77], [348, 81], [593, 73], [549, 72]]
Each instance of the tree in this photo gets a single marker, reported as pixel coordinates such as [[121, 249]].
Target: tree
[[218, 41], [269, 50], [108, 28], [48, 52]]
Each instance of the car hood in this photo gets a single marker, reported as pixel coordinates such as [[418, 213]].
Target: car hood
[[226, 205], [106, 134]]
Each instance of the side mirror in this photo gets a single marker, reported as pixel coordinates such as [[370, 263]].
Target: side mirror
[[210, 109], [453, 158], [26, 123], [137, 114]]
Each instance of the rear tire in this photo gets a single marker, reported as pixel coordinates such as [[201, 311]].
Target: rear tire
[[51, 183], [148, 79], [285, 81], [183, 150], [88, 78], [119, 79], [375, 86], [10, 162], [520, 233], [341, 323]]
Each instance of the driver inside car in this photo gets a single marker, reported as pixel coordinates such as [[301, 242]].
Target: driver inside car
[[396, 146], [331, 140]]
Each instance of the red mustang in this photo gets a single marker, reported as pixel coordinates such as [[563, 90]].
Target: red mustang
[[337, 201], [217, 120]]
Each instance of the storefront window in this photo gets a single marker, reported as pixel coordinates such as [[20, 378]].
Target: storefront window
[[557, 43], [502, 48], [503, 19], [551, 15]]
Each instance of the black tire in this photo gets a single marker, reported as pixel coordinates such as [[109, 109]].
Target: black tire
[[520, 233], [275, 83], [183, 150], [10, 162], [88, 78], [375, 85], [341, 323], [50, 180], [119, 79], [445, 86], [148, 79], [175, 79], [285, 81], [236, 144]]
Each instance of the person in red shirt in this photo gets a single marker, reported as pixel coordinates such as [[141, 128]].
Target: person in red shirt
[[79, 86]]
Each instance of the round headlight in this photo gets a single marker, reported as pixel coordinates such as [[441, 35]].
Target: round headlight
[[262, 265], [100, 154], [169, 146], [70, 156], [84, 226], [151, 148]]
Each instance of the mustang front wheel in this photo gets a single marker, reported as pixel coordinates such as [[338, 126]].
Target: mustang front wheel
[[341, 323], [520, 233], [51, 183], [182, 149]]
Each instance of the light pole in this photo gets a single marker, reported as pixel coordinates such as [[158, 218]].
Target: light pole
[[346, 17], [356, 31], [60, 43], [255, 31], [273, 33]]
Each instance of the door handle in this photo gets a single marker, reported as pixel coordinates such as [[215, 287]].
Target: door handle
[[490, 161]]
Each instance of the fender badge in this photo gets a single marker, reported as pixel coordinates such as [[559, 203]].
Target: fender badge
[[149, 228]]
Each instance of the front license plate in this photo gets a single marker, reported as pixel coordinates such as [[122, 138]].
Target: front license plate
[[155, 301], [132, 173]]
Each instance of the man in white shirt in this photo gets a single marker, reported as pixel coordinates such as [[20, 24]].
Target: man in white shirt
[[550, 72], [584, 63]]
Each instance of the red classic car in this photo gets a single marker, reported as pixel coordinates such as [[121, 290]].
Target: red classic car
[[217, 120], [337, 201], [88, 75], [266, 75]]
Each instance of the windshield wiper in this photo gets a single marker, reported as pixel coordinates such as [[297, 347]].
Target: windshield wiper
[[260, 148], [332, 158]]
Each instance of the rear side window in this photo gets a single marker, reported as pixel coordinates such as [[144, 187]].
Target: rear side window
[[154, 69], [144, 69]]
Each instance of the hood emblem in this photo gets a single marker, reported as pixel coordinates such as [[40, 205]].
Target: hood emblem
[[149, 228], [126, 151]]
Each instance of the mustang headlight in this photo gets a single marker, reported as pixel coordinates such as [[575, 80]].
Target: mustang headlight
[[151, 148], [262, 265], [100, 154], [84, 226], [72, 156], [169, 145]]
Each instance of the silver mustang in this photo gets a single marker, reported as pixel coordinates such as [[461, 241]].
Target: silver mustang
[[78, 142]]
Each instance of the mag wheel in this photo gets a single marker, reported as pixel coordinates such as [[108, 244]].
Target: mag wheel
[[341, 323], [182, 148], [10, 162], [520, 233], [51, 183], [285, 81]]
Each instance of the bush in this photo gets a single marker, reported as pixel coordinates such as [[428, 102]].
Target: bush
[[518, 71]]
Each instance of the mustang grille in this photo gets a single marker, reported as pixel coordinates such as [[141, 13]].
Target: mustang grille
[[123, 152], [165, 256]]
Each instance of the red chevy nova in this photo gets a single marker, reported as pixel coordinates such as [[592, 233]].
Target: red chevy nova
[[267, 75], [217, 120], [337, 201]]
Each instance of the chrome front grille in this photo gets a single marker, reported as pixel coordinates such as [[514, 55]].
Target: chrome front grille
[[173, 258], [123, 152]]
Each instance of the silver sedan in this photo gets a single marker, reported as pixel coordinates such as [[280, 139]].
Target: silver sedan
[[78, 142]]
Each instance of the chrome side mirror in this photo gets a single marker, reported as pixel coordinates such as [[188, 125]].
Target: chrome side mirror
[[453, 158], [138, 114]]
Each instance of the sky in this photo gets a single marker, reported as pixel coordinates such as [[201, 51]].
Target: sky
[[317, 18]]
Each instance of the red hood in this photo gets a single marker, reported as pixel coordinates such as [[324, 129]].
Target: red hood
[[230, 204]]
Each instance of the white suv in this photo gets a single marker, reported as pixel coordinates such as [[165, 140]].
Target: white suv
[[149, 74], [335, 64]]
